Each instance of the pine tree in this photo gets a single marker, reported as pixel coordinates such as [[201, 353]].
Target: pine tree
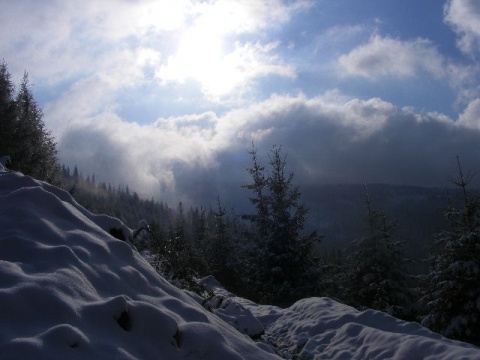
[[453, 292]]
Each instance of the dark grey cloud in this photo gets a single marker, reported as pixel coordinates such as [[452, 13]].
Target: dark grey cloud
[[400, 148]]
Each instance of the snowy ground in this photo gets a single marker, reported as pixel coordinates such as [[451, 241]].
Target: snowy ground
[[69, 290], [321, 328]]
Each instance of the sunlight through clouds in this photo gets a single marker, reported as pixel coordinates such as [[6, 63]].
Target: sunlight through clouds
[[220, 74], [204, 55]]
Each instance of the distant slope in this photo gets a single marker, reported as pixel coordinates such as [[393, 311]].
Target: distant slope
[[339, 213]]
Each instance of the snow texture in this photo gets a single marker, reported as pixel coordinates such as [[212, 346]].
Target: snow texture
[[4, 162], [70, 290], [321, 328]]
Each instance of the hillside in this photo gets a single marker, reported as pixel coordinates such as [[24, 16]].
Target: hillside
[[70, 290], [339, 213]]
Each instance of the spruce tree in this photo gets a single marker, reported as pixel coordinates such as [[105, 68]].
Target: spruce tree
[[23, 134], [259, 200], [453, 292], [285, 268]]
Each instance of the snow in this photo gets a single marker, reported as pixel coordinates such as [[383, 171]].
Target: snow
[[321, 328], [4, 161], [226, 307], [70, 290], [321, 325]]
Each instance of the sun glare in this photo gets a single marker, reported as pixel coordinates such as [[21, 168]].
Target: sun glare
[[200, 57], [201, 54]]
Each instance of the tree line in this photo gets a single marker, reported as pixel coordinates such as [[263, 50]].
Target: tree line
[[266, 255]]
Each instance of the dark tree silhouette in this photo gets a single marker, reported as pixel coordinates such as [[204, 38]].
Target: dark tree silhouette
[[7, 111], [285, 268]]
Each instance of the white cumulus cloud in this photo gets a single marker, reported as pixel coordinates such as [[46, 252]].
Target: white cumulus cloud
[[385, 56], [464, 17], [470, 117]]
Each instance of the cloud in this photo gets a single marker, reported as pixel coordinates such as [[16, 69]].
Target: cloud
[[356, 140], [210, 45], [470, 117], [210, 53], [75, 40], [463, 16], [244, 16], [329, 139], [97, 92], [385, 56], [70, 39], [148, 158]]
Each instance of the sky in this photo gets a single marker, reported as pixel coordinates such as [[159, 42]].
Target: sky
[[168, 96]]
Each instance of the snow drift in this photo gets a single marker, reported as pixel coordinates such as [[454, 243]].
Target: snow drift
[[70, 290], [321, 328]]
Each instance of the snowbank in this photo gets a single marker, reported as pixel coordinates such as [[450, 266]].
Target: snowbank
[[336, 331], [321, 328], [69, 290]]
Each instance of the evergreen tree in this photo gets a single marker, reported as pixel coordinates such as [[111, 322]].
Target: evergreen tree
[[453, 292], [24, 136], [223, 250], [259, 200], [76, 175], [285, 268], [376, 274], [200, 229]]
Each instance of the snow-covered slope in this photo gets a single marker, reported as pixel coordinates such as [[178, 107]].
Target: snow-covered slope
[[69, 290]]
